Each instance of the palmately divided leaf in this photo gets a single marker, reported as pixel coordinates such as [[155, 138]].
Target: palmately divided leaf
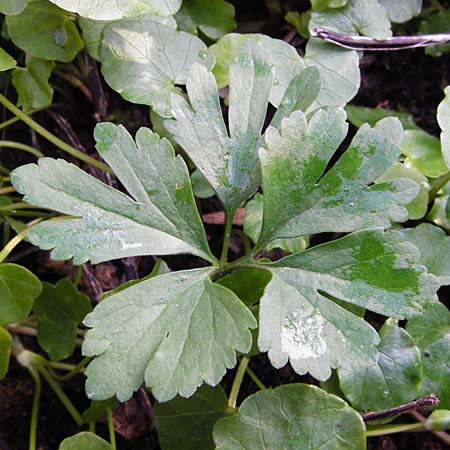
[[299, 199], [431, 333], [117, 9], [160, 217], [176, 331], [393, 380], [299, 320], [365, 17], [144, 59], [292, 417], [228, 161], [45, 31]]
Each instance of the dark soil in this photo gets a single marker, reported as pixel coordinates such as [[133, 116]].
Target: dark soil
[[407, 80]]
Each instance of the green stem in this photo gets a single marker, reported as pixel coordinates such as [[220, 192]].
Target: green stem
[[22, 213], [4, 170], [79, 368], [438, 185], [391, 429], [9, 247], [437, 4], [35, 408], [226, 239], [255, 378], [51, 137], [7, 190], [24, 147], [78, 276], [61, 395], [237, 382], [16, 119], [112, 435], [91, 426]]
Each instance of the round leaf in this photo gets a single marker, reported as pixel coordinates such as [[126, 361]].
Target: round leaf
[[5, 350], [84, 441]]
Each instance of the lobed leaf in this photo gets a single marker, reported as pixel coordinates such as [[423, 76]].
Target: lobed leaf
[[60, 309], [395, 379], [144, 58], [431, 333], [365, 17], [32, 86], [19, 288], [159, 216], [117, 9], [187, 424], [295, 416], [402, 10], [300, 320], [341, 200], [176, 331], [45, 31], [229, 161]]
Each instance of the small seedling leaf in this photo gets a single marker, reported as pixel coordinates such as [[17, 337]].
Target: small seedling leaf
[[84, 441]]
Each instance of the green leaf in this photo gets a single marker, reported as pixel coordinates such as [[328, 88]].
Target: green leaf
[[60, 309], [434, 247], [19, 289], [176, 331], [431, 332], [186, 424], [440, 212], [8, 7], [117, 9], [295, 416], [229, 161], [364, 17], [252, 228], [300, 21], [98, 410], [325, 4], [395, 378], [248, 284], [45, 31], [443, 118], [418, 207], [438, 420], [201, 186], [359, 115], [84, 441], [345, 198], [32, 84], [6, 61], [159, 216], [424, 153], [5, 351], [301, 323], [214, 18], [437, 23], [402, 10], [339, 72], [279, 55], [144, 60]]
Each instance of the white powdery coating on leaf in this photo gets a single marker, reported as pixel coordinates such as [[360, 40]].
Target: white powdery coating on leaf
[[301, 337]]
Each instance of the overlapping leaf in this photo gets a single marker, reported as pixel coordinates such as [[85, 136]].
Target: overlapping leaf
[[228, 161], [187, 424], [144, 59], [343, 199], [402, 10], [31, 83], [12, 6], [60, 309], [159, 216], [295, 416], [365, 17], [395, 378], [300, 322], [7, 62], [443, 117], [176, 331], [5, 350], [45, 31], [117, 9], [431, 333]]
